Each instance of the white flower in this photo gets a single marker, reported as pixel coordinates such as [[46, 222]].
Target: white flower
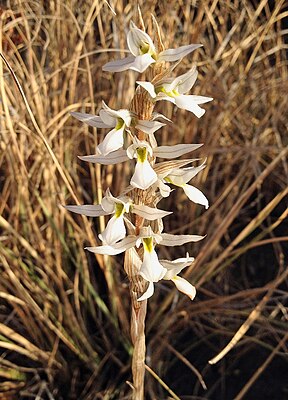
[[151, 269], [118, 120], [143, 53], [164, 239], [97, 210], [120, 156], [144, 176], [115, 229], [180, 176], [173, 89], [173, 268]]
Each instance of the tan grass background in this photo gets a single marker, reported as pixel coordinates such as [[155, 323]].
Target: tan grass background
[[64, 314]]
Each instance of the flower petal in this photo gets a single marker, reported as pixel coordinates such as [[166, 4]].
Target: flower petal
[[163, 96], [115, 157], [109, 115], [186, 102], [119, 65], [113, 141], [90, 119], [109, 202], [147, 232], [135, 40], [166, 167], [184, 83], [117, 248], [151, 269], [184, 287], [149, 87], [149, 213], [175, 151], [149, 292], [195, 195], [178, 240], [114, 231], [201, 99], [142, 62], [149, 127], [144, 175], [156, 115], [180, 176], [164, 189], [88, 210], [177, 54], [175, 267]]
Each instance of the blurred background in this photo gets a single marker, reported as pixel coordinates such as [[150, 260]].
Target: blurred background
[[64, 314]]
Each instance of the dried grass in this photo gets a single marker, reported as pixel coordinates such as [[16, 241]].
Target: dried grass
[[64, 316]]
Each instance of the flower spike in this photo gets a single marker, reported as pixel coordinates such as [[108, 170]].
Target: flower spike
[[135, 225]]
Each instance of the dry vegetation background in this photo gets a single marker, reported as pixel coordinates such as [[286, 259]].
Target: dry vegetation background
[[64, 314]]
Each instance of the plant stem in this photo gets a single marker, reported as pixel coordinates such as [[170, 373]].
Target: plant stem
[[138, 360], [138, 314]]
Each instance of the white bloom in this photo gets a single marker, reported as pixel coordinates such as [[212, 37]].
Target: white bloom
[[118, 120], [173, 269], [180, 176], [164, 239], [151, 269], [120, 156], [173, 89], [144, 175], [107, 207], [115, 229], [143, 53]]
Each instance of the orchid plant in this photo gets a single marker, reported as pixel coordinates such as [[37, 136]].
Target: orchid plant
[[136, 227]]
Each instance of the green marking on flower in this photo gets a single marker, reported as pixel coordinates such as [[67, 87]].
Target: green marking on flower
[[168, 180], [119, 210], [148, 244], [141, 154], [173, 93], [120, 123], [144, 47]]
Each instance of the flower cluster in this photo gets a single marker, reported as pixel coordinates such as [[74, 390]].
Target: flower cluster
[[136, 222]]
